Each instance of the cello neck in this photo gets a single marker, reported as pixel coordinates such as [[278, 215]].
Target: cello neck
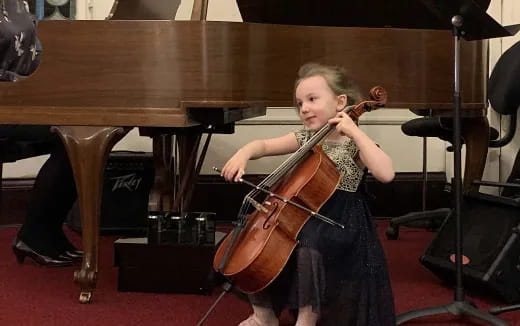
[[302, 152]]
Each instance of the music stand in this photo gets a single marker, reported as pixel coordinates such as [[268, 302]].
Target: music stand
[[470, 22]]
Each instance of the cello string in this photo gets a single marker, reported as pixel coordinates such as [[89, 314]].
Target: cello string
[[300, 153], [288, 164]]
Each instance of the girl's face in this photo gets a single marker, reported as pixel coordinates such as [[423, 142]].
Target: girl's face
[[316, 102]]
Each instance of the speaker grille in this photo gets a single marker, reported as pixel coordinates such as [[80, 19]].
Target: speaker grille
[[490, 261], [486, 227]]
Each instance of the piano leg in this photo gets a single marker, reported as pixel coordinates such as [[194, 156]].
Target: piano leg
[[88, 149], [475, 132]]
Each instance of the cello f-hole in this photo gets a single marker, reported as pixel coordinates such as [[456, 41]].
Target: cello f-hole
[[267, 223]]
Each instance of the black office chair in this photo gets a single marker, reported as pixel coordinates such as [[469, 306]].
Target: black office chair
[[504, 97], [506, 94], [428, 219]]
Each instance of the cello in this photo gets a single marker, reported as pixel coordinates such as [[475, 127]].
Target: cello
[[258, 248]]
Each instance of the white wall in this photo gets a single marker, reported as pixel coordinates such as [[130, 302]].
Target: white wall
[[383, 125]]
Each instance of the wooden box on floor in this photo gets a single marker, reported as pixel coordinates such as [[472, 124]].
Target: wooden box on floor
[[165, 268]]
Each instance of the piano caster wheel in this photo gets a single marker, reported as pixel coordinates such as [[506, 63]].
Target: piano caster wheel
[[84, 297], [392, 232]]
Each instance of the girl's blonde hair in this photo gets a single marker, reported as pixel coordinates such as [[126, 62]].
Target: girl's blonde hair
[[336, 78]]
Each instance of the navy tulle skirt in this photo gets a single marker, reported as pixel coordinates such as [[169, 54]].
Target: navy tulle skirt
[[341, 273]]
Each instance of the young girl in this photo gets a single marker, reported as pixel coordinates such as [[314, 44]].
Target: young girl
[[335, 276]]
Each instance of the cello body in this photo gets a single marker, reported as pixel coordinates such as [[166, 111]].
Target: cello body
[[269, 237]]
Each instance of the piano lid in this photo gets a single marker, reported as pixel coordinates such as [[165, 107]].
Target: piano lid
[[144, 9], [349, 13]]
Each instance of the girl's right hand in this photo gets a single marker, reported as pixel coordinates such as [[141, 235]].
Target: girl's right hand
[[235, 168]]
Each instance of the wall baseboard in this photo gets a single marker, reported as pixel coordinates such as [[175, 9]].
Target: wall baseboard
[[402, 196]]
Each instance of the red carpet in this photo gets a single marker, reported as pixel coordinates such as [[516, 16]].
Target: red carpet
[[33, 295]]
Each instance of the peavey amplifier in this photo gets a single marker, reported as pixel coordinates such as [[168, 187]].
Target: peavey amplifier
[[127, 181]]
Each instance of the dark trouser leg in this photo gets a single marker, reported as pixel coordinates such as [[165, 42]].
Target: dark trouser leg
[[54, 193]]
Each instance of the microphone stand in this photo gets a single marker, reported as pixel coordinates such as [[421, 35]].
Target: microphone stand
[[460, 306], [486, 28]]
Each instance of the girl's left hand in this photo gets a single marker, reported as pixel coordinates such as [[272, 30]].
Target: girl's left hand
[[344, 124]]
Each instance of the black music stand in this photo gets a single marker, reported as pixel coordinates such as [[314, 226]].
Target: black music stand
[[470, 22]]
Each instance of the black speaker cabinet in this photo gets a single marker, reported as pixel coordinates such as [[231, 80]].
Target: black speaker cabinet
[[128, 178], [491, 247]]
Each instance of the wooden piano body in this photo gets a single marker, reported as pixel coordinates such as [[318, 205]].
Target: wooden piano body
[[99, 78], [105, 66]]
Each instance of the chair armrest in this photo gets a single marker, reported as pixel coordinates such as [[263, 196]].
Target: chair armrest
[[496, 184], [515, 202]]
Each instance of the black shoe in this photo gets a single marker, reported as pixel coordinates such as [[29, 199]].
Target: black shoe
[[67, 249], [73, 254], [22, 250]]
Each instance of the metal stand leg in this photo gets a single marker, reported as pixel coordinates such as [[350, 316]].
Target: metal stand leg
[[500, 310]]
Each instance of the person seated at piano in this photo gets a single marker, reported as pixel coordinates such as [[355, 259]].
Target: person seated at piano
[[41, 237], [335, 276]]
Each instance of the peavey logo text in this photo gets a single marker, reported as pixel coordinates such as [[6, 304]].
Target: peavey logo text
[[129, 182]]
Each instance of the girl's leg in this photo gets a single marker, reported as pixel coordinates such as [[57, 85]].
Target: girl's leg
[[261, 316], [265, 315], [306, 317]]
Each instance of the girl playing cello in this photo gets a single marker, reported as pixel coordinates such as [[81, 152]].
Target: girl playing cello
[[335, 276]]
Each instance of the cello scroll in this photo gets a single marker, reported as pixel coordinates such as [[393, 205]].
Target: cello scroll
[[378, 97]]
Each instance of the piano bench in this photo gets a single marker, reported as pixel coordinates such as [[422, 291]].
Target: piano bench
[[14, 150]]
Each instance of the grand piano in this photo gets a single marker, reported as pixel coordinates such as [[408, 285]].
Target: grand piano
[[178, 80]]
